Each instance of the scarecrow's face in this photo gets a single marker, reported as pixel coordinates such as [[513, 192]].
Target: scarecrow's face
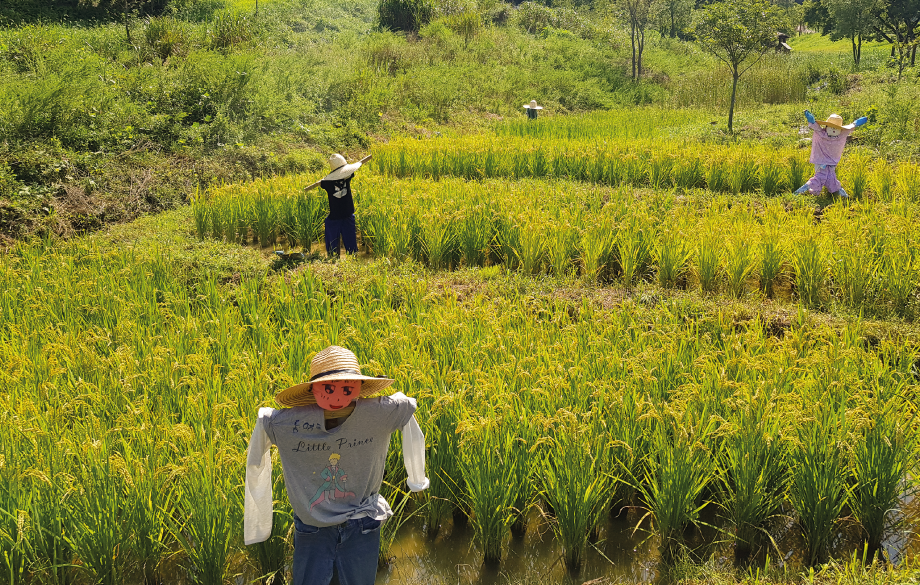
[[832, 131], [336, 394]]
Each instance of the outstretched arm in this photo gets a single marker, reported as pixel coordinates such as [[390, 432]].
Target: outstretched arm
[[414, 455], [257, 507], [810, 117], [313, 186], [860, 121], [365, 159]]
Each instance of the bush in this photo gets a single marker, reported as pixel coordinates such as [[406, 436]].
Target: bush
[[230, 28], [534, 18], [404, 15], [165, 37]]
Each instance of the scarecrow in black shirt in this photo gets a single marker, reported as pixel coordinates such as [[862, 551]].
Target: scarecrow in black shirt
[[341, 219]]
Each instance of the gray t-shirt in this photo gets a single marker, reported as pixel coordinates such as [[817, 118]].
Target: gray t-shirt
[[333, 476]]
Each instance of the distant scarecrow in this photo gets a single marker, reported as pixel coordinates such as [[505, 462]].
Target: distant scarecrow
[[827, 142], [532, 108], [341, 219]]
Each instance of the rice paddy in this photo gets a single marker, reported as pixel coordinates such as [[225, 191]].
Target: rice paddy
[[132, 373]]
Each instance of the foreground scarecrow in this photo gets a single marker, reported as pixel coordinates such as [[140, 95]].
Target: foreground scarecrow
[[333, 449], [827, 141], [341, 219]]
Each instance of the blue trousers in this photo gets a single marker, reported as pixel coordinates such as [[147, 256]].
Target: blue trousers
[[349, 549], [341, 227]]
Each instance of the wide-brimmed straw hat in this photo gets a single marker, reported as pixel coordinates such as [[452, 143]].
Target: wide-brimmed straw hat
[[340, 170], [533, 105], [834, 121], [332, 363]]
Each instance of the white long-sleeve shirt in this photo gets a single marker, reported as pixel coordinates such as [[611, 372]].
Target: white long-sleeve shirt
[[331, 476]]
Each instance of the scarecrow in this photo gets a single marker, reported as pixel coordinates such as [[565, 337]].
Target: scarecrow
[[532, 109], [330, 425], [341, 219], [827, 141]]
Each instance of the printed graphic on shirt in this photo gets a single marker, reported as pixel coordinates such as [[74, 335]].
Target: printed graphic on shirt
[[333, 488], [340, 191]]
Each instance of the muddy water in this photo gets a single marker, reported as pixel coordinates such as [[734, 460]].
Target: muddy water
[[620, 554]]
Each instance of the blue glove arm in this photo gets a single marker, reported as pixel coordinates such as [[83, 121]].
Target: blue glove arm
[[860, 121], [809, 117]]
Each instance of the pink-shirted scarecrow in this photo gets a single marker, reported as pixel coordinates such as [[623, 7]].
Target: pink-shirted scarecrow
[[827, 142]]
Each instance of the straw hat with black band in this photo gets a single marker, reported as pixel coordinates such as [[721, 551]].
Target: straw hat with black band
[[332, 363], [340, 170], [533, 105], [835, 121]]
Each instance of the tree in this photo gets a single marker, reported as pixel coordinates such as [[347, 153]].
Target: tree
[[852, 19], [673, 16], [639, 12], [738, 33], [898, 22]]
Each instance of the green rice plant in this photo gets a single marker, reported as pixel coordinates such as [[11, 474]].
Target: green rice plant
[[539, 167], [402, 513], [753, 473], [796, 172], [689, 173], [242, 221], [671, 255], [400, 230], [597, 247], [308, 220], [855, 272], [900, 273], [576, 485], [562, 249], [149, 502], [200, 211], [809, 267], [287, 221], [508, 240], [882, 180], [707, 263], [857, 174], [209, 518], [659, 171], [677, 471], [442, 462], [817, 489], [742, 175], [908, 182], [632, 245], [636, 169], [99, 527], [882, 459], [629, 429], [439, 241], [616, 171], [772, 263], [772, 180], [717, 176], [740, 263], [475, 235], [265, 219], [216, 216], [532, 251], [490, 452], [15, 497]]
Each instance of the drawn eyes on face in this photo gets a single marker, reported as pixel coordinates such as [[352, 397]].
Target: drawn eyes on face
[[347, 390], [329, 388]]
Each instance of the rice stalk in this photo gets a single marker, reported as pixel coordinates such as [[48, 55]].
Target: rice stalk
[[809, 267], [739, 265], [707, 264]]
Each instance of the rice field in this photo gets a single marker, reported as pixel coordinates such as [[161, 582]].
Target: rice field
[[132, 373]]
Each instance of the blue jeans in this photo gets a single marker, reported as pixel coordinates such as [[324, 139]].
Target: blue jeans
[[350, 549], [341, 227]]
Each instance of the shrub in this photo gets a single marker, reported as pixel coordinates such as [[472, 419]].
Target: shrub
[[230, 28], [165, 37], [404, 15]]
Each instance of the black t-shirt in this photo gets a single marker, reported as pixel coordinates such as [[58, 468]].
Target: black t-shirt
[[341, 205]]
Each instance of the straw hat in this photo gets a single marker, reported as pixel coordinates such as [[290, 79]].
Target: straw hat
[[340, 170], [834, 121], [332, 363], [533, 105]]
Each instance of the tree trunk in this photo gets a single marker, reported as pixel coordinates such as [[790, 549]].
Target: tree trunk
[[731, 107], [641, 48], [632, 39], [859, 51], [127, 28], [673, 28]]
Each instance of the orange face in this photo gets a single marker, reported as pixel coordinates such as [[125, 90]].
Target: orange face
[[336, 394]]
